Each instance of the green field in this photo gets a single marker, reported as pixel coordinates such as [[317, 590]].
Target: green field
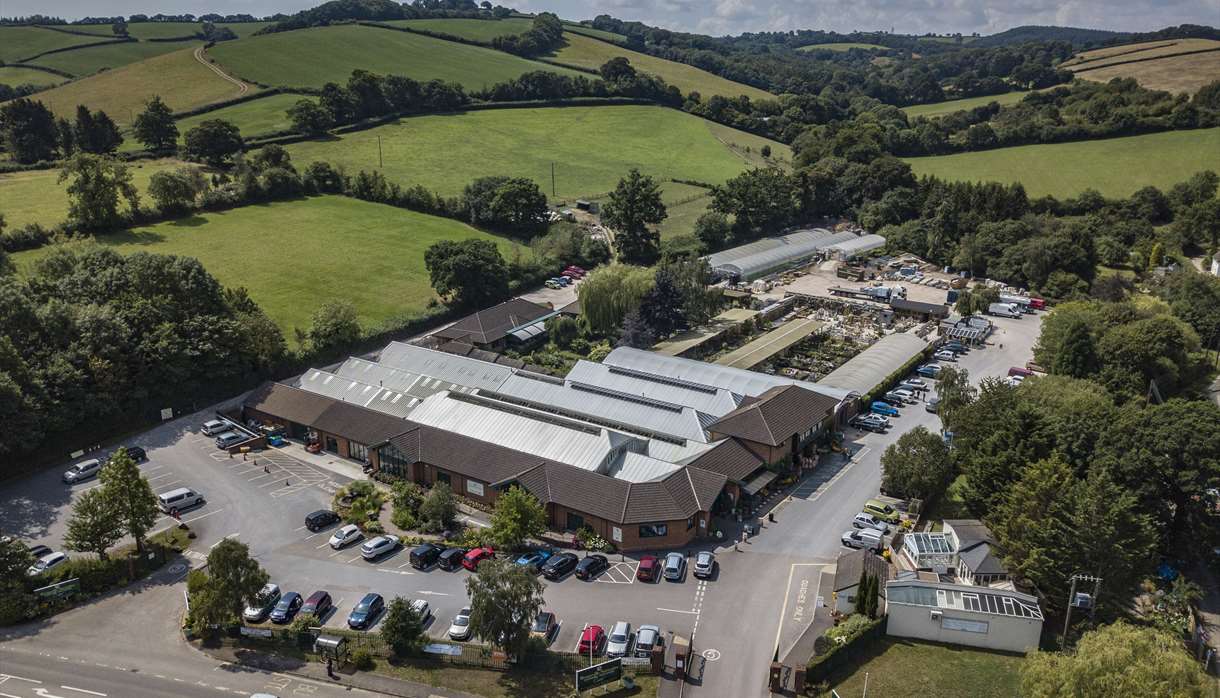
[[19, 43], [173, 30], [897, 667], [590, 147], [253, 118], [585, 52], [294, 256], [36, 197], [942, 108], [87, 61], [481, 30], [684, 203], [181, 81], [314, 57], [1113, 166], [595, 33], [843, 46], [14, 76]]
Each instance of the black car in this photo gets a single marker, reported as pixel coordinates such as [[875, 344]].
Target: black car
[[451, 558], [426, 556], [40, 551], [320, 519], [559, 565], [365, 612], [288, 606], [591, 566], [136, 453]]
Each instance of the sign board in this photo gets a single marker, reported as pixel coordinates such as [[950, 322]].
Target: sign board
[[442, 648], [599, 675], [167, 413], [59, 590], [256, 632], [637, 661], [475, 488]]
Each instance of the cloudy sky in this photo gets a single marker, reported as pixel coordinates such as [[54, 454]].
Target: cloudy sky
[[736, 16]]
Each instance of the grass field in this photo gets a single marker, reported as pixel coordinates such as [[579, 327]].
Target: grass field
[[595, 33], [171, 30], [483, 30], [294, 256], [684, 203], [83, 62], [1114, 166], [313, 57], [942, 108], [590, 53], [591, 148], [13, 75], [899, 668], [180, 80], [253, 118], [1141, 51], [35, 196], [842, 46], [18, 43]]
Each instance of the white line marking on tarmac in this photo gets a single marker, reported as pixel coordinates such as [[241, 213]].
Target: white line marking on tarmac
[[82, 690], [158, 477], [20, 678], [9, 695], [299, 528], [674, 610], [788, 592]]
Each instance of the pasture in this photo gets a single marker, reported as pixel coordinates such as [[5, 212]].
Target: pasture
[[35, 196], [595, 33], [843, 46], [684, 203], [181, 81], [590, 148], [83, 62], [293, 256], [314, 57], [20, 43], [16, 75], [481, 30], [1113, 166], [942, 108], [586, 52], [253, 118], [174, 30], [1181, 65]]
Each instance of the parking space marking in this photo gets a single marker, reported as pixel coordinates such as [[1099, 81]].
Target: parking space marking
[[674, 610], [355, 558], [337, 552], [619, 573], [320, 546], [158, 477], [258, 477], [382, 569]]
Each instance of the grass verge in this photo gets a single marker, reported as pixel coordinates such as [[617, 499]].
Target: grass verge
[[897, 667]]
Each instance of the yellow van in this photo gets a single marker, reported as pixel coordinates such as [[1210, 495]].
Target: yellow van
[[882, 511]]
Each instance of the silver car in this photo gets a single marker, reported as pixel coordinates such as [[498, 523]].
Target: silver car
[[379, 546], [83, 471], [647, 637], [459, 629], [618, 644], [705, 564], [675, 567]]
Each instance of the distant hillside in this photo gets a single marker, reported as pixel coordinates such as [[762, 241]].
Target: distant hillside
[[1021, 35]]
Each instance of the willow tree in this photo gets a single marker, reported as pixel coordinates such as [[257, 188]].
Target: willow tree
[[609, 293]]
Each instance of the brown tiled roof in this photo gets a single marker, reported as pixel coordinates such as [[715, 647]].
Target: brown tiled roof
[[326, 414], [849, 566], [492, 324], [456, 347], [778, 414], [679, 496], [481, 460], [729, 458]]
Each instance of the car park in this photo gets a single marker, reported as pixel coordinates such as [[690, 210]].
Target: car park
[[867, 539], [675, 567], [592, 638], [345, 536], [320, 519], [591, 566], [46, 563], [535, 559], [544, 627], [286, 608], [178, 499], [705, 564], [551, 283], [882, 511], [229, 439], [884, 409], [893, 399], [215, 427], [955, 347], [618, 643], [472, 559], [870, 522], [647, 637], [422, 609], [365, 612], [649, 569], [915, 385], [425, 555], [559, 565], [82, 471], [451, 558], [381, 545], [459, 629], [904, 394], [945, 355], [317, 604], [263, 602]]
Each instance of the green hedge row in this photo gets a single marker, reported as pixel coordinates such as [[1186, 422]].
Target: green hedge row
[[822, 666]]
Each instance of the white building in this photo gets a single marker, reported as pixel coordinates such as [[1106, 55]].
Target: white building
[[995, 619]]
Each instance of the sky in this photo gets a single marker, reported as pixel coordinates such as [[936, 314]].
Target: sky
[[718, 17]]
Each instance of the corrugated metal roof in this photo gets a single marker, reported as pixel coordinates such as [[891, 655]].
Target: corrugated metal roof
[[777, 340], [762, 257], [634, 467], [583, 445], [735, 380], [704, 398], [374, 397], [450, 369], [856, 245], [865, 371]]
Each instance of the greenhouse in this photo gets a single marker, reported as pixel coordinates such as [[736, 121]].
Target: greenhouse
[[865, 371], [770, 255]]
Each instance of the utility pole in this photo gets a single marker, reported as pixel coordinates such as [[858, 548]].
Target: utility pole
[[1067, 620], [380, 162], [553, 195]]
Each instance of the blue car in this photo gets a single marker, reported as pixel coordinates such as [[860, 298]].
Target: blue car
[[929, 370], [535, 559], [884, 408]]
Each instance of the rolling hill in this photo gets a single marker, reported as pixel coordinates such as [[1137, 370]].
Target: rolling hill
[[15, 75], [34, 196], [86, 61], [481, 30], [314, 57], [842, 46], [1176, 65], [174, 30], [20, 43], [585, 52], [942, 108], [253, 118]]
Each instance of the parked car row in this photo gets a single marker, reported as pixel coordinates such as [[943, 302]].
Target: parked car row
[[92, 467], [620, 641], [226, 433]]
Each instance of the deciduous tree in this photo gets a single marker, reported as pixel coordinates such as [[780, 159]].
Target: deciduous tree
[[917, 465], [334, 324], [29, 131], [95, 184], [439, 509], [130, 495], [214, 142], [504, 600], [634, 206], [175, 191], [96, 132], [155, 126], [468, 273], [517, 517], [402, 628], [233, 581], [94, 526], [309, 117], [16, 601]]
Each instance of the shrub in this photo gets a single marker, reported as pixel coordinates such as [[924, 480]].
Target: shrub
[[403, 519], [27, 237], [363, 660], [374, 527]]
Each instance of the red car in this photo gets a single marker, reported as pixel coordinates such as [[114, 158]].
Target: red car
[[592, 640], [472, 559], [650, 567]]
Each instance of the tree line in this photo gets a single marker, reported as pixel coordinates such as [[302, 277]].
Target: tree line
[[338, 11]]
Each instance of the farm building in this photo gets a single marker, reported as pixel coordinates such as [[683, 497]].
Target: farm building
[[770, 255], [995, 619], [850, 249], [866, 371], [516, 321]]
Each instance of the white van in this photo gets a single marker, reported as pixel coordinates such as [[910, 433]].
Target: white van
[[179, 499]]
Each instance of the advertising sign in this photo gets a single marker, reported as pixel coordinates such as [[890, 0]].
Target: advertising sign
[[599, 675]]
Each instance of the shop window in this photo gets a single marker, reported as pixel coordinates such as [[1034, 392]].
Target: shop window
[[653, 530], [444, 477], [358, 452], [575, 522]]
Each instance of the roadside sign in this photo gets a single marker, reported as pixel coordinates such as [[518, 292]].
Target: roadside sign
[[443, 648], [255, 632], [599, 675]]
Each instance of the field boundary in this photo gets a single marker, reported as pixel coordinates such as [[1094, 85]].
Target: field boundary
[[1147, 59], [1121, 53], [65, 49], [43, 68], [61, 30]]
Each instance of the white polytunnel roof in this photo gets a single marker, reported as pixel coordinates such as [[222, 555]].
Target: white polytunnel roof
[[866, 370], [855, 246], [761, 257]]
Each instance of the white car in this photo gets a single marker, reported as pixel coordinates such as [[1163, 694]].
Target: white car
[[420, 606], [945, 355], [345, 536], [459, 629], [619, 642], [904, 394], [214, 427], [83, 471], [379, 546], [47, 563], [913, 384], [868, 521]]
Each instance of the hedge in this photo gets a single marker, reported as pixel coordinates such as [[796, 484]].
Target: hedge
[[822, 666]]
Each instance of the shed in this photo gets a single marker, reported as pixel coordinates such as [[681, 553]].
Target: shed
[[865, 371], [995, 619]]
